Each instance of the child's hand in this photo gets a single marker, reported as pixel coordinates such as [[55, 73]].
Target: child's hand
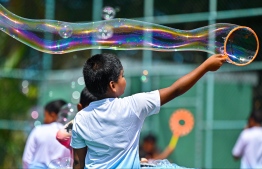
[[214, 62], [143, 160]]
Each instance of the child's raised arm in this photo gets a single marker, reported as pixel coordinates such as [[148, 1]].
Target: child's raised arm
[[186, 82]]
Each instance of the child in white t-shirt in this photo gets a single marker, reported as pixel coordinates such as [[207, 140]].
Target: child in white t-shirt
[[106, 133], [249, 144]]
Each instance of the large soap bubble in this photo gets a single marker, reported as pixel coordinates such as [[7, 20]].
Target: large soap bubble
[[239, 43]]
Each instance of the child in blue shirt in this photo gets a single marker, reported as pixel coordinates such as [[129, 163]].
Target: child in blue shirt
[[106, 133]]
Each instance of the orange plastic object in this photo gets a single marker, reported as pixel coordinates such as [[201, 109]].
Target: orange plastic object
[[231, 35], [181, 116]]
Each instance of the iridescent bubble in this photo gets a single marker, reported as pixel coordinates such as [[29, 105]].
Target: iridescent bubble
[[34, 114], [145, 72], [25, 83], [37, 123], [76, 95], [240, 43], [108, 13], [104, 32], [67, 113], [50, 94], [144, 78], [65, 31], [61, 163], [25, 90], [80, 81], [73, 85]]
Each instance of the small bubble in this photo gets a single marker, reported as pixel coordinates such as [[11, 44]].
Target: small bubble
[[73, 85], [80, 81], [104, 32], [145, 72], [25, 83], [34, 114], [144, 78], [67, 113], [65, 31], [50, 93], [37, 123], [25, 90], [108, 13], [75, 95], [221, 49]]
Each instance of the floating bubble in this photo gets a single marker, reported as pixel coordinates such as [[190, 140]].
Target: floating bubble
[[34, 114], [104, 32], [73, 85], [67, 113], [145, 72], [61, 163], [37, 123], [76, 95], [108, 13], [25, 83], [25, 90], [80, 81], [144, 78], [240, 43], [50, 94], [65, 31]]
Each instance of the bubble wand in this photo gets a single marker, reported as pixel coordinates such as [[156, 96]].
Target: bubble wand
[[239, 43]]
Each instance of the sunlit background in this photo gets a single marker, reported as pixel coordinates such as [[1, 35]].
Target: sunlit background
[[220, 102]]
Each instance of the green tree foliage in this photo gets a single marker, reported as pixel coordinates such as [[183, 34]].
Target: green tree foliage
[[14, 105]]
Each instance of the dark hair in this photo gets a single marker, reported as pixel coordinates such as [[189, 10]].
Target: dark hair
[[256, 115], [99, 70], [150, 138], [54, 106], [86, 97]]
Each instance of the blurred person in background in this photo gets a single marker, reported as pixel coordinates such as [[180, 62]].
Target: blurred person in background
[[249, 144], [41, 146], [148, 149]]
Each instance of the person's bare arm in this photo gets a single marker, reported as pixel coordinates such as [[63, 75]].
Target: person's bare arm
[[79, 158], [186, 82], [165, 153]]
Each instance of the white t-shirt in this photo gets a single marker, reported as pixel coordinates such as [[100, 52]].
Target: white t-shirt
[[110, 128], [42, 147], [249, 148]]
